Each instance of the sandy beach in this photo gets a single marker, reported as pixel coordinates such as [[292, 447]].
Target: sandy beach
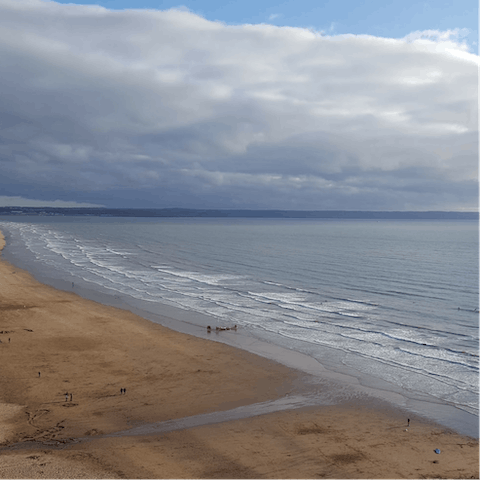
[[65, 360]]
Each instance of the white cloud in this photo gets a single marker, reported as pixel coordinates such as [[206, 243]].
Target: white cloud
[[164, 105], [438, 35]]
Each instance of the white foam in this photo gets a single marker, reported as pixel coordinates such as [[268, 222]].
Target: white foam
[[371, 334]]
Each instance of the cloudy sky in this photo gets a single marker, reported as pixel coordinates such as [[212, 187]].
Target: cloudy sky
[[305, 105]]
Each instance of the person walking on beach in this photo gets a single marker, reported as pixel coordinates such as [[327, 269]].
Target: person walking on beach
[[66, 397], [408, 422], [71, 396], [38, 374]]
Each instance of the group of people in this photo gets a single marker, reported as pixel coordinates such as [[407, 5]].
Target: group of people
[[123, 391], [218, 329]]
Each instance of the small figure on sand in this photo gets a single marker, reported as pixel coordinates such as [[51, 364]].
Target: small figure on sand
[[66, 397], [38, 374], [71, 396], [408, 422]]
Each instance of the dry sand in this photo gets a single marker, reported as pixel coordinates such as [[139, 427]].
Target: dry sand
[[91, 351]]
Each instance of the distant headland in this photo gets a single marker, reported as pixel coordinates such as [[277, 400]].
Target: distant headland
[[211, 213]]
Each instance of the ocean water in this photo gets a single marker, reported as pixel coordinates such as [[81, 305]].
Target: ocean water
[[391, 303]]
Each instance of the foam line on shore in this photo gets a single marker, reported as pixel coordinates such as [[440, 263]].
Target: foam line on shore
[[178, 320], [176, 381]]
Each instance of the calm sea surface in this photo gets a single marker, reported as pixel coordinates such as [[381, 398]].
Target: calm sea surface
[[393, 303]]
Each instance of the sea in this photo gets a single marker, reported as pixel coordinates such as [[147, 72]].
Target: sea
[[388, 307]]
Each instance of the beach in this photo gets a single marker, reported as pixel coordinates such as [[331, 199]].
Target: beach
[[65, 361]]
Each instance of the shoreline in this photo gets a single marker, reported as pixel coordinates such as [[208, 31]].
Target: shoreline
[[324, 371], [92, 350]]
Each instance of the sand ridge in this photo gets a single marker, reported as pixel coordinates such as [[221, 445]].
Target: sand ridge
[[64, 360]]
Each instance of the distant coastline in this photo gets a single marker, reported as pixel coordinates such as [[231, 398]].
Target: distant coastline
[[212, 213]]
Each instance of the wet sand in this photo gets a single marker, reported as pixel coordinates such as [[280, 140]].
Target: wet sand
[[55, 342]]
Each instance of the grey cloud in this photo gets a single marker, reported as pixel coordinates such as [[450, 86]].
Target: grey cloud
[[170, 108]]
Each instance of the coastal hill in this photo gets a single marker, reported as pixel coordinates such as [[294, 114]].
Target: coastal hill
[[207, 213]]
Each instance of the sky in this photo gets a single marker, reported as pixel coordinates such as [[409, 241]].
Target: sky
[[305, 105]]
